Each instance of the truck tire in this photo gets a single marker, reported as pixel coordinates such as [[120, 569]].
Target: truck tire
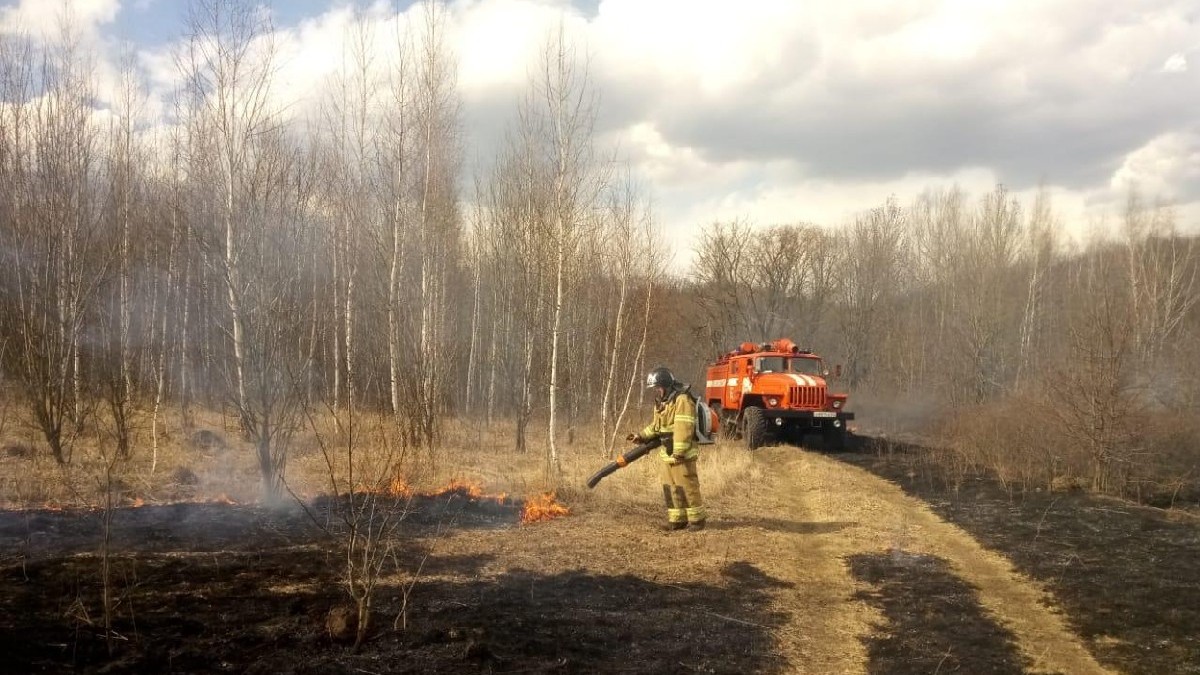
[[756, 429]]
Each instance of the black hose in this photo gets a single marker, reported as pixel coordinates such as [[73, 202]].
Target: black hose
[[603, 473], [632, 455]]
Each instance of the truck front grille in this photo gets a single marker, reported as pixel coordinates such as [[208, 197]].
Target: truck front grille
[[807, 397]]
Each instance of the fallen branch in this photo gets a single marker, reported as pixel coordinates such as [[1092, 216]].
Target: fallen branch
[[741, 621]]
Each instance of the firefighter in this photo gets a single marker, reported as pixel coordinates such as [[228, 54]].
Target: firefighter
[[675, 423]]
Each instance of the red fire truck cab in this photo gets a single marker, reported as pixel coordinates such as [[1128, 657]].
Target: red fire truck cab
[[775, 391]]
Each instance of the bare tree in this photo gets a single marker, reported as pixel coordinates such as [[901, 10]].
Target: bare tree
[[59, 259], [516, 231], [1162, 274], [352, 129], [436, 110], [875, 248], [985, 300], [397, 141], [170, 297], [129, 203], [568, 107], [370, 499], [1040, 254], [636, 261], [1093, 390], [603, 329], [228, 66], [724, 291], [761, 283], [258, 189], [938, 227]]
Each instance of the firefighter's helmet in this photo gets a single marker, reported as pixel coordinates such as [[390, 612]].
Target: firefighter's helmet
[[660, 377]]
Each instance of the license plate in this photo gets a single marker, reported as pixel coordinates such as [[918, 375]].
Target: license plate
[[824, 413]]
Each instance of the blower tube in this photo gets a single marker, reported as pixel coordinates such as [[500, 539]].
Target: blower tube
[[623, 460]]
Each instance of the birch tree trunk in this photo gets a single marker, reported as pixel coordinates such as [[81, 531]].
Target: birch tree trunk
[[570, 112]]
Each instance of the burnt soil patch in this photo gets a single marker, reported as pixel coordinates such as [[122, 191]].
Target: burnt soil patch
[[934, 621], [206, 588], [1127, 577]]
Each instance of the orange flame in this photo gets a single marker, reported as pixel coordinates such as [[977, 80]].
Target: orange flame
[[137, 503], [468, 488], [543, 507], [398, 487], [222, 499]]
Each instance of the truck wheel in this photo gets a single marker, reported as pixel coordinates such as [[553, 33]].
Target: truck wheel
[[835, 439], [757, 429]]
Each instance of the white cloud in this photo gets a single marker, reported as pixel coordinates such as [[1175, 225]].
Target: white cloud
[[1176, 64], [780, 111], [499, 41], [660, 162], [45, 18], [707, 46], [1167, 167], [311, 52]]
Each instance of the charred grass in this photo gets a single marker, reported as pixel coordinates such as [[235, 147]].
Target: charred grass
[[1125, 575], [207, 580], [934, 621], [234, 588]]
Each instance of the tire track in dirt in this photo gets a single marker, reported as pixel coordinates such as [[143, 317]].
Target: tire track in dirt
[[876, 517], [783, 561], [789, 541]]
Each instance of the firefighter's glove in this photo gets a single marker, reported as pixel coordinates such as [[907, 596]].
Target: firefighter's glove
[[669, 447], [633, 438]]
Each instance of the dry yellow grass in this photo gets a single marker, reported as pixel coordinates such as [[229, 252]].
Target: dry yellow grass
[[224, 464], [795, 516]]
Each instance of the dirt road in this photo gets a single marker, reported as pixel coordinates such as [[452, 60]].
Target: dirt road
[[934, 595], [809, 565], [853, 575]]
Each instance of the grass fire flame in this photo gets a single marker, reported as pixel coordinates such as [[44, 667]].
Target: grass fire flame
[[543, 507]]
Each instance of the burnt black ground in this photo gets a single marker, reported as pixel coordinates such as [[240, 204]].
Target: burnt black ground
[[227, 588], [210, 588], [934, 622], [1127, 577]]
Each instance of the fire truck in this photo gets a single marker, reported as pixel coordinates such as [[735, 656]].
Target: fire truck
[[776, 391]]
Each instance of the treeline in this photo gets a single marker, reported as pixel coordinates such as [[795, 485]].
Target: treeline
[[232, 254], [235, 256], [976, 319]]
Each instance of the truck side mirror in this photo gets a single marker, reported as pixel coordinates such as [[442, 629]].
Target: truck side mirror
[[837, 371]]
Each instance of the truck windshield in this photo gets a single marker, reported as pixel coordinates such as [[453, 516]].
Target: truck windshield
[[807, 366], [771, 364], [780, 364]]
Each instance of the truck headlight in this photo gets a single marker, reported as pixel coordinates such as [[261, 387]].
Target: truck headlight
[[772, 402], [837, 404]]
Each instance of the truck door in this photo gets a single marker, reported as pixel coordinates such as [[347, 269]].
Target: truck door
[[733, 385]]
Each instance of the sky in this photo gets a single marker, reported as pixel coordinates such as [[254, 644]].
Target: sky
[[787, 111]]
